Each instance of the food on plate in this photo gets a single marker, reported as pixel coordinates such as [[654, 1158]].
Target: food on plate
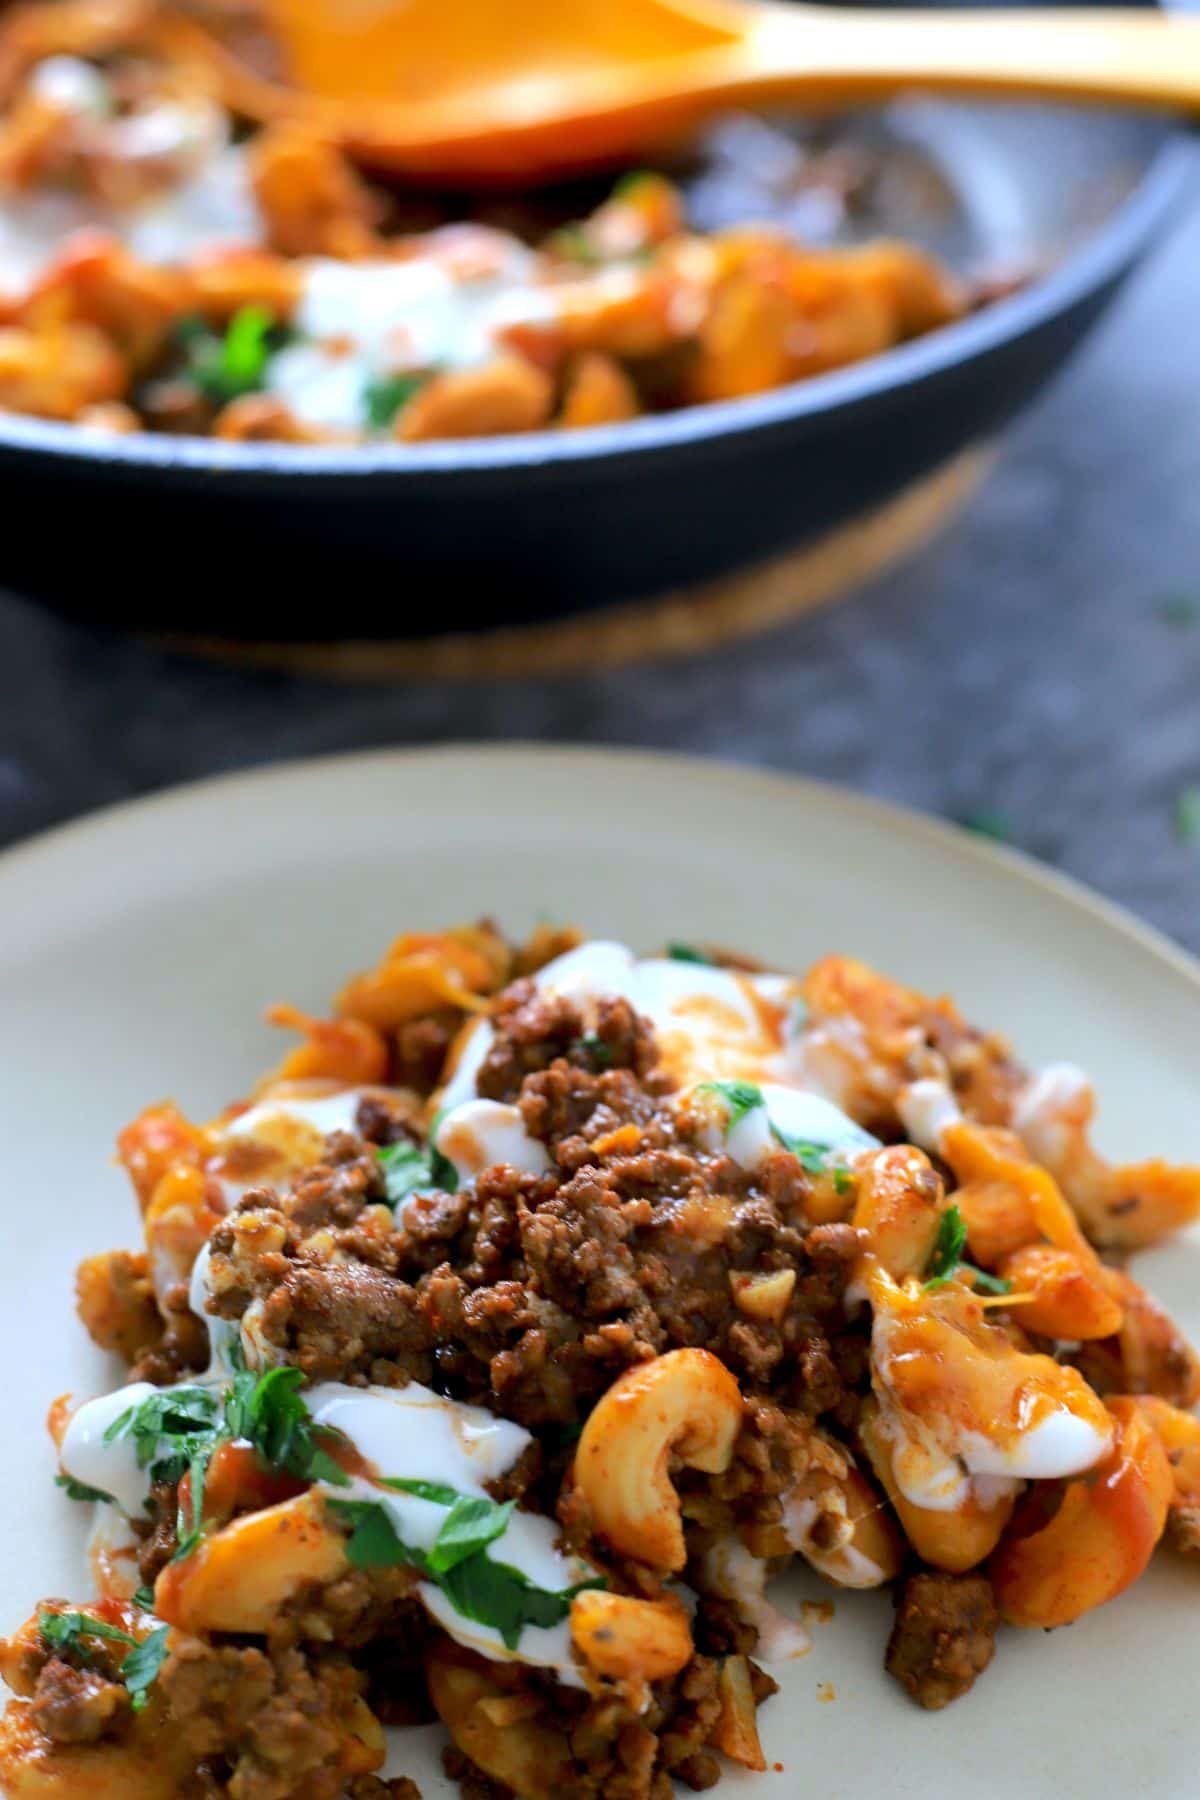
[[491, 1361], [168, 265]]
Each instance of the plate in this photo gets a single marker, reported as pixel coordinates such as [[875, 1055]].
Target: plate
[[140, 947]]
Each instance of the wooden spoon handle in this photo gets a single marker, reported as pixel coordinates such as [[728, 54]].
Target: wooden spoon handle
[[1134, 56]]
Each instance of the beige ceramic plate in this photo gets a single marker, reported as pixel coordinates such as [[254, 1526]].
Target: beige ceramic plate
[[138, 950]]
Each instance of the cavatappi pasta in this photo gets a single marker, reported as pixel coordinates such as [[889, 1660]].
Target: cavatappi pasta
[[491, 1361], [168, 265]]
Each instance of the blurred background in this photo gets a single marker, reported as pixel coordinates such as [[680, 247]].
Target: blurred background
[[1031, 670]]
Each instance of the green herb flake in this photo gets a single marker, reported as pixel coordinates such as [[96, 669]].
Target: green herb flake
[[985, 1283], [986, 823], [385, 395], [64, 1631], [436, 1492], [226, 366], [78, 1490], [596, 1050], [167, 1428], [407, 1169], [472, 1523], [68, 1631], [442, 1172], [373, 1543], [740, 1097], [1181, 610], [494, 1594], [690, 953], [144, 1597], [811, 1156], [140, 1669], [269, 1412], [948, 1247], [490, 1593], [1187, 814]]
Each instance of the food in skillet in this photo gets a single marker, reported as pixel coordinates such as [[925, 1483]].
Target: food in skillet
[[165, 267], [543, 1306]]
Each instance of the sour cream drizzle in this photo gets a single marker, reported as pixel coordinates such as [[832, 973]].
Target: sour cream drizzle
[[712, 1024], [408, 1432]]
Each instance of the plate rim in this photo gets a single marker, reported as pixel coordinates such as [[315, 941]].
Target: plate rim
[[1019, 865]]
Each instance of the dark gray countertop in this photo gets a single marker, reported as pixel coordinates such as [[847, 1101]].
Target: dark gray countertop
[[1023, 665]]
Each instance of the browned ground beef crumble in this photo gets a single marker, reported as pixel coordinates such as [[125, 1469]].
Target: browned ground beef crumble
[[528, 1294], [943, 1636]]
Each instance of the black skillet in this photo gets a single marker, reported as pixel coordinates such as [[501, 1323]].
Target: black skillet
[[277, 541]]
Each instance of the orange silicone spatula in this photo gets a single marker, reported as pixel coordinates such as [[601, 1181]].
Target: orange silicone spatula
[[477, 90]]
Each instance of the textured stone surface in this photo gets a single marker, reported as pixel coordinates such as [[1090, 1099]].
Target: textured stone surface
[[1021, 665]]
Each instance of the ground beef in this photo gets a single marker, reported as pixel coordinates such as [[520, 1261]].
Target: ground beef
[[158, 1533], [78, 1706], [277, 1724], [943, 1636], [421, 1048], [1183, 1529], [530, 1031], [334, 1319], [386, 1119], [371, 1787], [362, 1606]]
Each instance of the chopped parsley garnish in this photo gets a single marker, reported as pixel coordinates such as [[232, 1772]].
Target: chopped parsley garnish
[[176, 1433], [167, 1429], [816, 1158], [224, 366], [79, 1490], [494, 1594], [139, 1671], [1187, 814], [690, 953], [385, 395], [594, 1047], [740, 1097], [408, 1169], [1180, 609], [269, 1412], [946, 1259], [373, 1543], [63, 1631], [985, 1283], [490, 1593], [986, 823], [947, 1250]]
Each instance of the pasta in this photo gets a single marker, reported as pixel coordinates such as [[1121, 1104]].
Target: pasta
[[542, 1305], [169, 261]]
